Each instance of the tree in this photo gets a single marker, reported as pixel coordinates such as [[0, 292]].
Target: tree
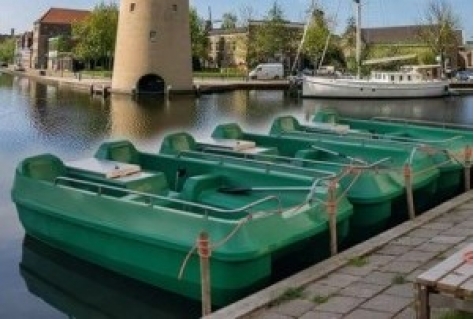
[[440, 31], [271, 40], [246, 14], [199, 40], [7, 50], [95, 36], [229, 21]]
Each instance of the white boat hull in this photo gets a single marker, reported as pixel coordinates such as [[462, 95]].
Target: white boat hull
[[366, 89]]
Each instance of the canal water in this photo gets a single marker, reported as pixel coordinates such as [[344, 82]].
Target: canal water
[[38, 282]]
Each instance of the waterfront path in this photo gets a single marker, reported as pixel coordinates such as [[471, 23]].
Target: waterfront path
[[371, 280]]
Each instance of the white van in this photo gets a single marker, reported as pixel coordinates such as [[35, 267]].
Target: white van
[[267, 71]]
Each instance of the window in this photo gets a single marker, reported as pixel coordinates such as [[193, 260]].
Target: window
[[153, 35], [392, 78], [409, 77], [400, 78], [132, 6], [175, 7]]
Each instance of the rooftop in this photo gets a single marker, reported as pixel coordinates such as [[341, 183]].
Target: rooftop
[[63, 16]]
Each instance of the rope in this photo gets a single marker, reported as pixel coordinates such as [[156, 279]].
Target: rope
[[354, 180], [468, 257], [185, 261]]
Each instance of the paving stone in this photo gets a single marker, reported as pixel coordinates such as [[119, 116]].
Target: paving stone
[[358, 271], [339, 280], [424, 233], [438, 225], [270, 315], [294, 308], [318, 289], [321, 315], [379, 278], [434, 247], [446, 239], [339, 304], [417, 256], [393, 249], [401, 267], [361, 290], [457, 232], [380, 260], [403, 290], [410, 241], [387, 303], [368, 314], [407, 313]]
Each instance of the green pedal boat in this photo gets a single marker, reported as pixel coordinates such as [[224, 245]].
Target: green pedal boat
[[376, 191], [140, 215], [450, 181]]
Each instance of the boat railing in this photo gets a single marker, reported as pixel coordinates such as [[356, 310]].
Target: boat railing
[[152, 197], [329, 174], [269, 166], [363, 136], [424, 122]]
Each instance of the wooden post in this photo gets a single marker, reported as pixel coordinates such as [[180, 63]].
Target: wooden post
[[331, 209], [467, 168], [409, 190], [422, 303], [204, 254]]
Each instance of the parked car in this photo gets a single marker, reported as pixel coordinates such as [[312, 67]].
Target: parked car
[[464, 75], [267, 71], [19, 68], [3, 64]]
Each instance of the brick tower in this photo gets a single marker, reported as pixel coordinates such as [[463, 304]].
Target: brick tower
[[153, 50]]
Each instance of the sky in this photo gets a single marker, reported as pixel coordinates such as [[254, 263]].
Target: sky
[[20, 14]]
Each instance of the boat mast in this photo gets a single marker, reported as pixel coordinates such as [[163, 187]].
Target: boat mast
[[358, 35]]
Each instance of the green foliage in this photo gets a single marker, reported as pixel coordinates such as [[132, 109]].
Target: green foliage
[[320, 299], [290, 294], [199, 40], [7, 50], [456, 315], [358, 261], [398, 279], [96, 35], [229, 21], [273, 39]]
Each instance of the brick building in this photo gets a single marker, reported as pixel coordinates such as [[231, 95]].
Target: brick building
[[55, 22]]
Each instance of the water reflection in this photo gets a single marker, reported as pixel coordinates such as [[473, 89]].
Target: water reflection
[[447, 110], [83, 290]]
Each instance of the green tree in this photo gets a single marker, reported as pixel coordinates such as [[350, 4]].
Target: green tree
[[272, 39], [229, 21], [440, 33], [199, 41], [7, 50], [95, 36]]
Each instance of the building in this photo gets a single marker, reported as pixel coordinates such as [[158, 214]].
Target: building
[[24, 49], [55, 22], [231, 47], [406, 40]]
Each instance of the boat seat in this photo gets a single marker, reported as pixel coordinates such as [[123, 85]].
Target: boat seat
[[119, 151], [45, 167], [194, 185], [228, 131], [174, 144]]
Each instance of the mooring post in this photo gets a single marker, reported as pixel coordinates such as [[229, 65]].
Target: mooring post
[[407, 172], [204, 255], [331, 208], [467, 168]]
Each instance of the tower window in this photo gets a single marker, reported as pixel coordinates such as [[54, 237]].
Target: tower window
[[175, 7], [152, 35], [132, 6]]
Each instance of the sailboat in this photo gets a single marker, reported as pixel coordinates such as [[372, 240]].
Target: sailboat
[[402, 84]]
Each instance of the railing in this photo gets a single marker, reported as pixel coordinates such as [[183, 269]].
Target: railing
[[269, 166], [152, 197], [414, 121], [361, 136]]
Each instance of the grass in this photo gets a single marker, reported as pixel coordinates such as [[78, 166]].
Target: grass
[[289, 294], [320, 299], [360, 261], [456, 315], [398, 279]]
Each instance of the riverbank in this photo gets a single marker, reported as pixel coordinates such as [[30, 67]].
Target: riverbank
[[371, 280], [202, 85]]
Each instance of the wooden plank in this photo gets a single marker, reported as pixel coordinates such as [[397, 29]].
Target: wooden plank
[[455, 278], [431, 276], [466, 288]]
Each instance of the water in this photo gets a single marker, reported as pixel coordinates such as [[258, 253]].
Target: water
[[35, 118]]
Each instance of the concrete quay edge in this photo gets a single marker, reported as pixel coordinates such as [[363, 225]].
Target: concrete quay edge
[[262, 298]]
